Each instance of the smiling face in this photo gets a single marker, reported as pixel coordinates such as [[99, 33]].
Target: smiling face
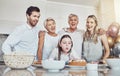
[[50, 25], [66, 44], [73, 21], [90, 24], [33, 19]]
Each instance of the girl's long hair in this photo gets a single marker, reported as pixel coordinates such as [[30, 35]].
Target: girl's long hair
[[60, 48]]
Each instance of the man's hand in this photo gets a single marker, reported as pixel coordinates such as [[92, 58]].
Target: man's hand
[[101, 31]]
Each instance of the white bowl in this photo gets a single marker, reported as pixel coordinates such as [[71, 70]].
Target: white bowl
[[18, 61], [91, 66], [114, 63], [53, 65]]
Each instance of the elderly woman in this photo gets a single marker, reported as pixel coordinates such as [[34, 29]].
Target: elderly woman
[[47, 40]]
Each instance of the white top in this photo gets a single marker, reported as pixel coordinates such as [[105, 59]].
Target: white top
[[23, 38], [65, 57], [50, 42], [77, 38]]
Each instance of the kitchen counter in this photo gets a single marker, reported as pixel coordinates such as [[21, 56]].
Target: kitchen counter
[[39, 71]]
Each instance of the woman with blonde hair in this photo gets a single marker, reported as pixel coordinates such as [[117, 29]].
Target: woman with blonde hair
[[93, 42]]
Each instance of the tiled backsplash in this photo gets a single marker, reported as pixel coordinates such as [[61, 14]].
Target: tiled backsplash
[[2, 39]]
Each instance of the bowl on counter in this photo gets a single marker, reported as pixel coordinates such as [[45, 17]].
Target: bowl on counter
[[18, 60], [53, 65], [114, 63]]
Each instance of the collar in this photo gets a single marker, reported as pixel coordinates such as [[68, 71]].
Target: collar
[[29, 27], [65, 54], [66, 30]]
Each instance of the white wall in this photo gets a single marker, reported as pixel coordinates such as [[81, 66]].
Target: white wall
[[117, 10], [106, 13], [12, 13]]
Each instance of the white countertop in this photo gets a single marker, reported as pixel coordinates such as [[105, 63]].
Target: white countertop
[[39, 71]]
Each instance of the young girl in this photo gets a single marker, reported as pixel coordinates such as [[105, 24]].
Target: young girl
[[64, 50], [93, 42], [47, 40]]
